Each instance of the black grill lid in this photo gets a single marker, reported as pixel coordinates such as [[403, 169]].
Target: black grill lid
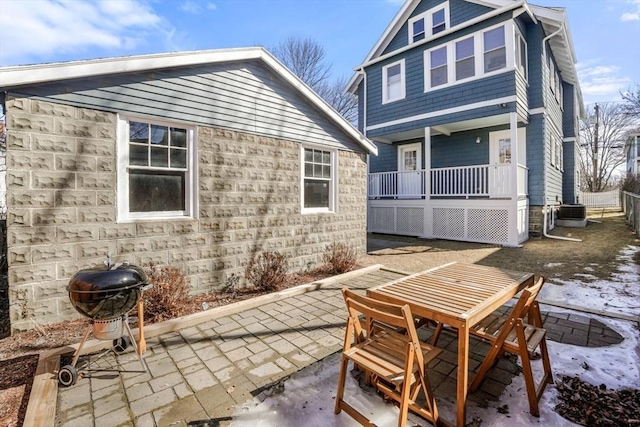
[[108, 291]]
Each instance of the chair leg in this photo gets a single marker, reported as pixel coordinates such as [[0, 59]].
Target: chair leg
[[341, 381], [487, 363]]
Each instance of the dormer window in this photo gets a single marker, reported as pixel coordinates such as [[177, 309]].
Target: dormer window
[[428, 23]]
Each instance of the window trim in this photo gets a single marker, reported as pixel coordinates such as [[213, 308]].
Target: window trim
[[333, 187], [427, 16], [478, 57], [385, 84], [123, 168]]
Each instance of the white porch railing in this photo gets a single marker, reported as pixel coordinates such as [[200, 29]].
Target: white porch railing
[[460, 181], [405, 184]]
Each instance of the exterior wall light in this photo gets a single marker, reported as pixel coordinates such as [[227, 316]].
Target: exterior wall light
[[478, 140]]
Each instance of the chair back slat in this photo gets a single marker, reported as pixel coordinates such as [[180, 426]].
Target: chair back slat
[[389, 314]]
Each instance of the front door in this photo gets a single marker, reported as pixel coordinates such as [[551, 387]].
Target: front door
[[409, 166], [500, 160]]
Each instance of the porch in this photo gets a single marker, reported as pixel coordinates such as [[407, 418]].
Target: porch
[[468, 185]]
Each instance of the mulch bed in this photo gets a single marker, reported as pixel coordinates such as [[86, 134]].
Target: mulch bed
[[588, 405]]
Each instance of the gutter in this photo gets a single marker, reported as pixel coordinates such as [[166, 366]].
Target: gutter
[[545, 70]]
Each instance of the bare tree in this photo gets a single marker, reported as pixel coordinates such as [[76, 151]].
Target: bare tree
[[603, 133], [307, 60], [631, 105]]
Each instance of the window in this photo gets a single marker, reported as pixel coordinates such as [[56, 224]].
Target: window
[[155, 170], [393, 82], [428, 23], [521, 55], [495, 51], [438, 62], [438, 23], [318, 180], [465, 60]]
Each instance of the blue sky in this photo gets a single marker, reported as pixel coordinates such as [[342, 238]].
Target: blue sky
[[606, 33]]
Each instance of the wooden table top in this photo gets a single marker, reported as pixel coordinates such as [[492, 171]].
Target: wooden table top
[[455, 293]]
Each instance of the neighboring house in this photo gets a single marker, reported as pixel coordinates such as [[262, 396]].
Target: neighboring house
[[199, 160], [474, 106], [632, 151]]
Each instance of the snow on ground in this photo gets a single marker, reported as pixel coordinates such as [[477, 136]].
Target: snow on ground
[[307, 398], [621, 295]]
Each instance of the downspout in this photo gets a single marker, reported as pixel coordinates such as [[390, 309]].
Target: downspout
[[545, 206]]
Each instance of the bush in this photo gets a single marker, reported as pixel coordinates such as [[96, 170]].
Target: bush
[[339, 257], [266, 271], [631, 184], [169, 295]]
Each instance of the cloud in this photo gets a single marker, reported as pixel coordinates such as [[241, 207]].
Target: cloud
[[632, 16], [37, 29], [191, 7], [600, 80]]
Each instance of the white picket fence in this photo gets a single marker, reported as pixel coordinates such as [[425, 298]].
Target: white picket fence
[[605, 199]]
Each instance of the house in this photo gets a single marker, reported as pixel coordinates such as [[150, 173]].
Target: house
[[198, 160], [632, 151], [474, 106]]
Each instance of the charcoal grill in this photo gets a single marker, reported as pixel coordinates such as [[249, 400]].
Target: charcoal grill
[[105, 294]]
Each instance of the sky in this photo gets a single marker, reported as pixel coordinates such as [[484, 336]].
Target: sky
[[308, 396], [606, 33]]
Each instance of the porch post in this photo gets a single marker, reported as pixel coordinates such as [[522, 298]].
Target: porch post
[[428, 212], [513, 174]]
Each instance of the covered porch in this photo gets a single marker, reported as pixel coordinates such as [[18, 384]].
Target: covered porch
[[463, 181]]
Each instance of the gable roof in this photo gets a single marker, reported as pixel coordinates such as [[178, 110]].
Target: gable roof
[[42, 73], [553, 20]]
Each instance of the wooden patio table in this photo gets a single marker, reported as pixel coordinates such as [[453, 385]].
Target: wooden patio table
[[459, 295]]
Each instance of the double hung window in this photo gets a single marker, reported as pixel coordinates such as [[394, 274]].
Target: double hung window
[[155, 170], [318, 176], [393, 87], [495, 51], [429, 23], [438, 61], [521, 55], [465, 59]]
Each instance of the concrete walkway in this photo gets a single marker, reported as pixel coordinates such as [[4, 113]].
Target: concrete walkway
[[198, 375]]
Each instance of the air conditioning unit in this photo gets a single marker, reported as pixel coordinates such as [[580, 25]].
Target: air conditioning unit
[[572, 212]]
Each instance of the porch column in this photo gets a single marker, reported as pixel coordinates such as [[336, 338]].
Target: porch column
[[513, 174], [428, 212]]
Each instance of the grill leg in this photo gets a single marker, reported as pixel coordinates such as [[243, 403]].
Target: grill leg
[[84, 338], [133, 342]]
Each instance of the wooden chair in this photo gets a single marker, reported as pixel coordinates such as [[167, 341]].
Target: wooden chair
[[511, 333], [394, 361]]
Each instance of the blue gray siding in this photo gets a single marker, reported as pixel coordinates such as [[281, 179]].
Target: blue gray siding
[[535, 34], [571, 165], [536, 158], [569, 111], [245, 97], [459, 11]]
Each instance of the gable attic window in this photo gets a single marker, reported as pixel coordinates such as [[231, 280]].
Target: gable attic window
[[318, 180], [156, 176], [393, 82], [495, 51], [426, 24]]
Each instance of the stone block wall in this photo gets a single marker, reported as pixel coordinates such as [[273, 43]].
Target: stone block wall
[[61, 197]]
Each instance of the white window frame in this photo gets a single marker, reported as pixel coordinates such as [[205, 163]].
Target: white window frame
[[123, 168], [333, 181], [427, 17], [523, 69], [430, 67], [456, 60], [478, 57], [385, 82]]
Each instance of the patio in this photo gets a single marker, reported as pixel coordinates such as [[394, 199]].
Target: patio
[[274, 363]]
